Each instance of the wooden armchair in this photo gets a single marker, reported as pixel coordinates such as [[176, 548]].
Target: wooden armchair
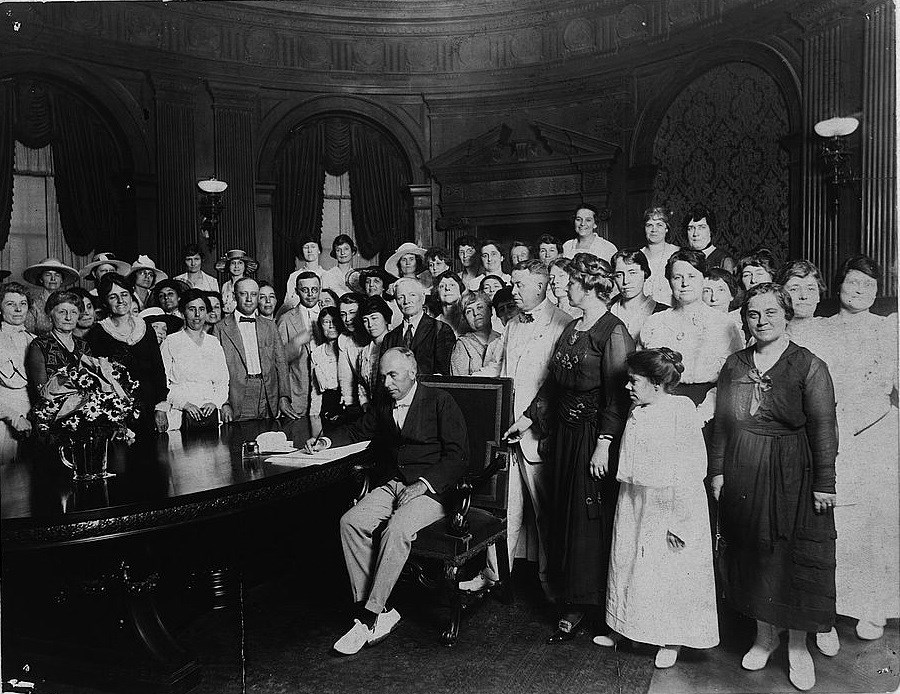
[[478, 518]]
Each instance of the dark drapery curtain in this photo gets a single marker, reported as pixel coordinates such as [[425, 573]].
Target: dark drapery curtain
[[298, 197], [379, 190], [7, 158], [89, 180], [88, 168]]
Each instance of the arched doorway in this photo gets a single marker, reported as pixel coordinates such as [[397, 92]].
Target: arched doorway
[[369, 161], [719, 142]]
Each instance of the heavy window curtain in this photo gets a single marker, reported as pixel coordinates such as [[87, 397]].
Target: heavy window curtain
[[379, 189], [7, 158], [299, 194], [89, 180], [88, 170]]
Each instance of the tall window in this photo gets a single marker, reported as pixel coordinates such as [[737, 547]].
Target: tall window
[[336, 217], [35, 230]]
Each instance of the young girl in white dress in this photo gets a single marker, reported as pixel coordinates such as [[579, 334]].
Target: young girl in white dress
[[661, 588]]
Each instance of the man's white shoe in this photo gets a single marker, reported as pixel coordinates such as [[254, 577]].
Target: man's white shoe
[[666, 656], [384, 625], [353, 641], [477, 584]]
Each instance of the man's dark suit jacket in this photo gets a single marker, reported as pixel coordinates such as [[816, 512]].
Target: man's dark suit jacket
[[433, 444], [432, 344]]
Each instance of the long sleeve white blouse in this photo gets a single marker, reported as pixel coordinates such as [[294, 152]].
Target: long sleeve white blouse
[[196, 374]]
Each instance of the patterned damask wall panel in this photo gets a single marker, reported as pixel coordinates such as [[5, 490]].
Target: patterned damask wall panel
[[719, 142]]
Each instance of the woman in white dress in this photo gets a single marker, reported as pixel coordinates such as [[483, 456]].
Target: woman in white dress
[[14, 341], [236, 264], [196, 372], [661, 588], [587, 240], [658, 251], [325, 392], [803, 281], [861, 353], [704, 336]]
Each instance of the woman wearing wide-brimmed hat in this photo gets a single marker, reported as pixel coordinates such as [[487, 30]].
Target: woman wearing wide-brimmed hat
[[101, 264], [407, 261], [48, 276], [144, 275], [235, 264], [163, 324]]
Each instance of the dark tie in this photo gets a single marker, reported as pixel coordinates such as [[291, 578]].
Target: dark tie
[[407, 336], [247, 320], [526, 318]]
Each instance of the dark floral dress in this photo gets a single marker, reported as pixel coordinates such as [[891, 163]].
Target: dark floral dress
[[583, 397], [45, 356], [775, 443]]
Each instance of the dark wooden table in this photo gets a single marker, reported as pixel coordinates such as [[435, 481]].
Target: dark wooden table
[[109, 543]]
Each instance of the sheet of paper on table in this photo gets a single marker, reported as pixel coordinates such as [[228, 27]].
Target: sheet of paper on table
[[301, 459]]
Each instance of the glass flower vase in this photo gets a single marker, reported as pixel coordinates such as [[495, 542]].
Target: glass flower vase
[[86, 456]]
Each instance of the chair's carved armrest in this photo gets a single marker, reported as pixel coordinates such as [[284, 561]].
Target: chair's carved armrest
[[362, 467], [459, 524]]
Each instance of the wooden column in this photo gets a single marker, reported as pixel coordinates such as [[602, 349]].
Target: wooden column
[[422, 219], [819, 240], [264, 241], [177, 199], [234, 161], [879, 151]]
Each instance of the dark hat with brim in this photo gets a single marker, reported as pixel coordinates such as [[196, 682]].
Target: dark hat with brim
[[356, 279], [177, 285], [155, 314]]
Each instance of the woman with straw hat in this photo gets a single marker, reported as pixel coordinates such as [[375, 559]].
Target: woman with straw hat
[[48, 276], [235, 264], [144, 275]]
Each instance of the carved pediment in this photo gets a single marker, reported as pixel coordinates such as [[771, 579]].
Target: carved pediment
[[522, 150]]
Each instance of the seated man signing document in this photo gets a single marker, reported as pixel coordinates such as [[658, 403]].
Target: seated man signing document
[[420, 446]]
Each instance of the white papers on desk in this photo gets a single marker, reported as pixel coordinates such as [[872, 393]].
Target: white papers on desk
[[301, 459]]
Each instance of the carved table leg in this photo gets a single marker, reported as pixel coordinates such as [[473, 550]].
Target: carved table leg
[[506, 588], [451, 582]]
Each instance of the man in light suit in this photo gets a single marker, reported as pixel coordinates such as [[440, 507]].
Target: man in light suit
[[432, 341], [418, 436], [297, 328], [526, 348], [254, 353]]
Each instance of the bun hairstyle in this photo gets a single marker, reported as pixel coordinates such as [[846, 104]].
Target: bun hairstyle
[[661, 366], [592, 273]]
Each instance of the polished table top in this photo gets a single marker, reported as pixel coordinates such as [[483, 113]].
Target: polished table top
[[160, 481]]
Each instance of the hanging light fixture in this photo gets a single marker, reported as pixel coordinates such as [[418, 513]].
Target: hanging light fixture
[[210, 206], [835, 153]]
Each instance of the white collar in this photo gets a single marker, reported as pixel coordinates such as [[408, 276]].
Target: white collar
[[407, 399], [414, 321]]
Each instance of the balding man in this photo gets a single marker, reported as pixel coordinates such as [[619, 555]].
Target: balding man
[[431, 341], [419, 440], [257, 370]]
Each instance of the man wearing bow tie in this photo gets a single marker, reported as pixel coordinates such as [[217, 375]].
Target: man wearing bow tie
[[526, 348], [257, 370], [419, 439]]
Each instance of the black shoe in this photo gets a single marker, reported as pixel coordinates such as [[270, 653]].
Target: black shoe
[[565, 631]]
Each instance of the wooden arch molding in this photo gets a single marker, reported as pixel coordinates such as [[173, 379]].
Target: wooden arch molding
[[775, 63], [113, 103], [405, 131]]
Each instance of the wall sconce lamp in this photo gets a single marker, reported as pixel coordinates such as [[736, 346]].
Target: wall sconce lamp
[[210, 206], [835, 154]]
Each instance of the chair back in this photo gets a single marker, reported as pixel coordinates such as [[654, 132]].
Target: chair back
[[486, 404]]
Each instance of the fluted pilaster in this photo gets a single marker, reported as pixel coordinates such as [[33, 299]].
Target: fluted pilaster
[[879, 152]]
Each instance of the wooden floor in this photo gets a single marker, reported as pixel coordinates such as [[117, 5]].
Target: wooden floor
[[502, 650]]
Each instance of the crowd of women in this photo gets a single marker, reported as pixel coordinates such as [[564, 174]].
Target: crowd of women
[[695, 407]]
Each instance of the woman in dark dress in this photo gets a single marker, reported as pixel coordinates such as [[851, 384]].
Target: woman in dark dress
[[772, 471], [583, 405], [58, 348], [125, 338]]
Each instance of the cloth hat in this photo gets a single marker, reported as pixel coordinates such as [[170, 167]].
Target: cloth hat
[[177, 285], [155, 314], [144, 263], [4, 274], [393, 263], [33, 273], [236, 254], [356, 279], [121, 266]]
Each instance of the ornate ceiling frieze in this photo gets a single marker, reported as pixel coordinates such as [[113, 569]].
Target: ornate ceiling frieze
[[406, 39]]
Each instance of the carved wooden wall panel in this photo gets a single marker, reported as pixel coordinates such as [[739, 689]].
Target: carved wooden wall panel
[[719, 143]]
